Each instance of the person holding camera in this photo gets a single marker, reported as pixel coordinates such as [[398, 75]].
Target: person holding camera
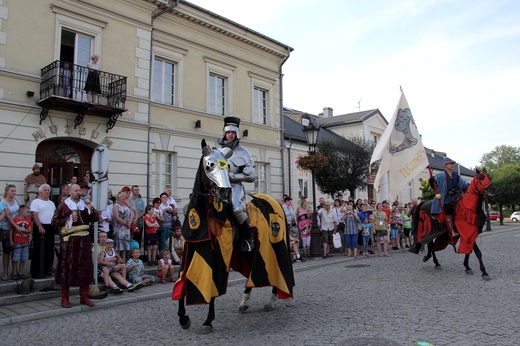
[[294, 233], [448, 184], [350, 229]]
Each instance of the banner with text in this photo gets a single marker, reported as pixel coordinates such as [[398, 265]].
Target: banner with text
[[400, 150]]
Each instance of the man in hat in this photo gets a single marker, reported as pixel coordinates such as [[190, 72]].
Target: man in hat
[[240, 170], [32, 184], [448, 184]]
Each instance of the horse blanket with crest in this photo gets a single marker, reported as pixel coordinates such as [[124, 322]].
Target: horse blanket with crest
[[208, 249]]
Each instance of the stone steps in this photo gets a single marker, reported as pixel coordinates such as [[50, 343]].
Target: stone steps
[[44, 289]]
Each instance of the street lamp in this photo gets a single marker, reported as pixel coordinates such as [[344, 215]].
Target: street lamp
[[488, 223], [311, 135]]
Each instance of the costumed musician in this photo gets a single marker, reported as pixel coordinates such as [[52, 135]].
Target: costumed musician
[[75, 268]]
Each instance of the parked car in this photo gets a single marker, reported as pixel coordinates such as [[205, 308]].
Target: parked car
[[494, 215], [515, 216]]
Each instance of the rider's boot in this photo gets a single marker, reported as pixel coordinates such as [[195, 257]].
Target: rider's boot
[[248, 240], [451, 226]]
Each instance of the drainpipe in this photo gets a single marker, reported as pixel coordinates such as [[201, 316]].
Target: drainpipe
[[282, 133], [289, 164], [154, 16]]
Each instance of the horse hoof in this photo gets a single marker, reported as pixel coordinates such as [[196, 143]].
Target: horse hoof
[[268, 308], [486, 277], [206, 330], [187, 324], [469, 272], [243, 308], [425, 259], [438, 267]]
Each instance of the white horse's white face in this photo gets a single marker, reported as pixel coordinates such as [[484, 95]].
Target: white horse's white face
[[216, 168]]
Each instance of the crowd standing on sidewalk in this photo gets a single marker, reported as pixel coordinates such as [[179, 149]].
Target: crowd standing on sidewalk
[[29, 232], [360, 224]]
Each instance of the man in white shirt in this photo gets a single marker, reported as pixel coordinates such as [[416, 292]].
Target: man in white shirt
[[329, 222], [42, 210]]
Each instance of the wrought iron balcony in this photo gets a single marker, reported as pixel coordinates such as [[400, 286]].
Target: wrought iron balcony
[[63, 87]]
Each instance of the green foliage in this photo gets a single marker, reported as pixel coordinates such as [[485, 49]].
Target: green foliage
[[348, 163], [506, 179], [427, 191], [500, 156]]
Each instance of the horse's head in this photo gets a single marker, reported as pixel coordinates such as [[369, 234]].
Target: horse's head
[[483, 184], [216, 169]]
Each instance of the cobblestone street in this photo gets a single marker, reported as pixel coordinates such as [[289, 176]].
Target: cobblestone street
[[337, 301]]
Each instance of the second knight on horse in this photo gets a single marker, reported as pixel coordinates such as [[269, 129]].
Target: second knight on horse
[[448, 183]]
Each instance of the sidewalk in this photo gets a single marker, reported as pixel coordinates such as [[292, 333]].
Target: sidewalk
[[16, 308]]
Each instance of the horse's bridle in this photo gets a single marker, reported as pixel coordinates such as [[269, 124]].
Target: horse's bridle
[[485, 186]]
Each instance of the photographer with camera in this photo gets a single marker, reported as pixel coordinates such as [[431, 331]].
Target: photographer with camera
[[292, 224], [448, 184]]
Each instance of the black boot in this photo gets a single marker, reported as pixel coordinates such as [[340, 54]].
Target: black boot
[[248, 241]]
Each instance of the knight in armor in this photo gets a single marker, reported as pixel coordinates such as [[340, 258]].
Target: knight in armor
[[240, 170], [448, 184]]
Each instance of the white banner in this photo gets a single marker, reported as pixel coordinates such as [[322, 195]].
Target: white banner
[[400, 150]]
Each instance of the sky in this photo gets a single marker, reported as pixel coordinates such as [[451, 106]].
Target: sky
[[457, 61]]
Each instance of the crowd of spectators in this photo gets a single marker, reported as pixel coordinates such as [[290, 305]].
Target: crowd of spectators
[[130, 234], [358, 224]]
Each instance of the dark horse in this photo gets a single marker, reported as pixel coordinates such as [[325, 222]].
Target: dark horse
[[211, 243], [469, 219]]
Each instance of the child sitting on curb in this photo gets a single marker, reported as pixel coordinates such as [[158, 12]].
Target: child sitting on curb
[[135, 269], [165, 267]]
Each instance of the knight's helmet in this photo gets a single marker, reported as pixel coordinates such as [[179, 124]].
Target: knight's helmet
[[232, 124]]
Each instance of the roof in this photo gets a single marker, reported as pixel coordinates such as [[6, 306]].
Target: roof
[[436, 161], [294, 130], [350, 118]]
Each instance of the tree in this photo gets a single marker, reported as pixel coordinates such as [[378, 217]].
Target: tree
[[348, 165], [507, 185], [500, 156], [427, 190]]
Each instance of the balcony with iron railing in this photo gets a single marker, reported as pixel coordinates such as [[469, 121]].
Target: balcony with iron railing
[[69, 88]]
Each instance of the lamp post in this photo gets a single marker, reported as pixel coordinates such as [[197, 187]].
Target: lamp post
[[488, 223], [311, 135]]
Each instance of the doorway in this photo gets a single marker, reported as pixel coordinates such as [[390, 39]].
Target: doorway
[[63, 159]]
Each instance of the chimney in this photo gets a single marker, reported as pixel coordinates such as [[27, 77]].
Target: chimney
[[327, 112]]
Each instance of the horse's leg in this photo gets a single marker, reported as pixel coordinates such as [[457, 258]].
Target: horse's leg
[[270, 305], [466, 264], [431, 248], [485, 275], [206, 326], [184, 320], [429, 253], [244, 303]]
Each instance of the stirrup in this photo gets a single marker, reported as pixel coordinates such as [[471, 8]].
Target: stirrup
[[247, 245]]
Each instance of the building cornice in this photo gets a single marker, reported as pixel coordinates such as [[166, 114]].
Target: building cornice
[[242, 38]]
